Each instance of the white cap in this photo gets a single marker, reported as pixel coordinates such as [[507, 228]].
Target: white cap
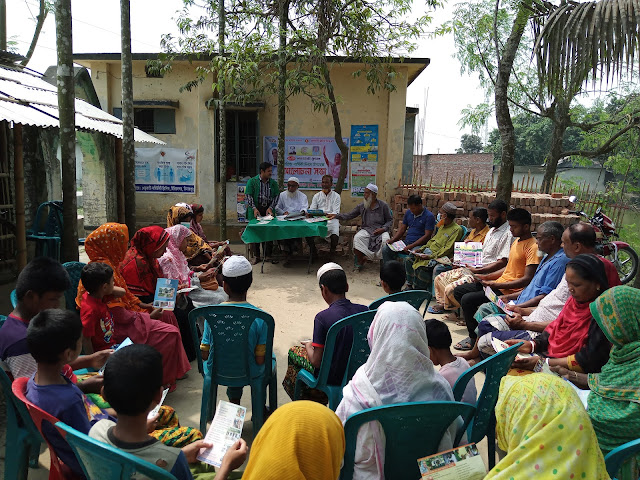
[[372, 187], [236, 266], [293, 179], [326, 267]]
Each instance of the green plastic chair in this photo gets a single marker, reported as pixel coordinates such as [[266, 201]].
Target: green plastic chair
[[484, 421], [100, 461], [230, 332], [47, 233], [14, 298], [415, 298], [616, 457], [360, 323], [412, 430], [74, 269]]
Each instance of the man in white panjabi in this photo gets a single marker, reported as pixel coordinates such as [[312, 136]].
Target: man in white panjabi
[[329, 202], [291, 201], [376, 224]]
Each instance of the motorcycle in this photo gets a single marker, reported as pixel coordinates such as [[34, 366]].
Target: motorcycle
[[617, 252]]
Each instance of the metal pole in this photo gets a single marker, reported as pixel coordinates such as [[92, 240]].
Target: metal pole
[[18, 170]]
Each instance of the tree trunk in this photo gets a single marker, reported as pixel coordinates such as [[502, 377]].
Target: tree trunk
[[337, 128], [503, 115], [283, 11], [222, 136], [66, 114], [42, 15], [560, 121], [3, 25], [128, 147]]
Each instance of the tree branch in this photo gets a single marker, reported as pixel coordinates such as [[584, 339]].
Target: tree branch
[[42, 15], [606, 146]]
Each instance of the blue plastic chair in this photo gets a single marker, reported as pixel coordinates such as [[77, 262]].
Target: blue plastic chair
[[74, 269], [14, 298], [360, 323], [415, 298], [230, 332], [23, 439], [484, 422], [47, 233], [100, 461], [412, 431], [465, 232], [616, 457]]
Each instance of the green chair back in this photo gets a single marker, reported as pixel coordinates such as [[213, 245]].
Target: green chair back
[[415, 298], [74, 269], [616, 457]]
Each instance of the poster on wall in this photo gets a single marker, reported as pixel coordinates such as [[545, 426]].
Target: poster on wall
[[165, 170], [241, 206], [308, 158], [364, 157]]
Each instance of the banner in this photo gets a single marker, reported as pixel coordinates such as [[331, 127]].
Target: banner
[[307, 158], [241, 206], [364, 157], [165, 170]]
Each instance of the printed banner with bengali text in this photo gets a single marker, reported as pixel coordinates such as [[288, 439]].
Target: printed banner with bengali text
[[165, 170], [364, 157]]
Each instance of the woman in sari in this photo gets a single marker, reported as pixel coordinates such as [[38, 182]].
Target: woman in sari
[[198, 252], [196, 227], [301, 440], [108, 244], [573, 340], [398, 370], [546, 432], [140, 268]]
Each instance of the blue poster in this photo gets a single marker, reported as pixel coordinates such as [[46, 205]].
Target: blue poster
[[364, 157]]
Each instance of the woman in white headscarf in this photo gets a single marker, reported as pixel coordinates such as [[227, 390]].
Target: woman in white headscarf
[[398, 370]]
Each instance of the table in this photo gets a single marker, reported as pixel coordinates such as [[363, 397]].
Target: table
[[282, 230]]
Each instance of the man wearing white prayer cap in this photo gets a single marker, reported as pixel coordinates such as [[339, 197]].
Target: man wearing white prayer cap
[[291, 201], [376, 224], [333, 287], [238, 277]]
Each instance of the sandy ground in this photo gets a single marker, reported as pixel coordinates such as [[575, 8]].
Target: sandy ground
[[293, 298]]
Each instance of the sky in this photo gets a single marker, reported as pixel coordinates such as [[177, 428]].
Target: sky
[[96, 29]]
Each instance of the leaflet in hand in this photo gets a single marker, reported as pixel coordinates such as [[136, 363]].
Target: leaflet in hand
[[398, 246], [459, 463], [166, 292], [125, 343], [225, 430], [499, 345], [156, 409], [467, 253], [491, 295]]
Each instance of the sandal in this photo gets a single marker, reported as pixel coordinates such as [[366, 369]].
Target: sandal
[[437, 309], [464, 345]]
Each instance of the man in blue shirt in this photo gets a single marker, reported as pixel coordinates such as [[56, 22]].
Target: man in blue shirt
[[418, 223]]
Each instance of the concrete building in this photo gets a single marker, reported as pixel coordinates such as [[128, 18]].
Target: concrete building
[[187, 120]]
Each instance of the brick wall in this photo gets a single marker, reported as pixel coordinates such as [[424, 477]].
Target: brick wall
[[437, 168]]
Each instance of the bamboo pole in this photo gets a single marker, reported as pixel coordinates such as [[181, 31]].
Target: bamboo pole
[[18, 169], [120, 181]]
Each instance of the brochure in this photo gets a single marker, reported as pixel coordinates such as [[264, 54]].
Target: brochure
[[499, 345], [125, 343], [491, 295], [156, 409], [295, 216], [225, 430], [459, 463], [397, 246], [166, 291], [316, 213], [316, 219], [266, 218], [468, 254]]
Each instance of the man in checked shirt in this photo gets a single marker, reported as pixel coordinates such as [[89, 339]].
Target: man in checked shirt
[[261, 194]]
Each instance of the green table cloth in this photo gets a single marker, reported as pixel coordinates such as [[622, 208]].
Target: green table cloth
[[282, 230]]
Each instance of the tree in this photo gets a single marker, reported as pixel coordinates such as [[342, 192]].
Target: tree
[[470, 144], [66, 115], [44, 9]]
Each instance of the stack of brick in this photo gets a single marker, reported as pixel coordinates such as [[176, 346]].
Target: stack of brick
[[543, 207]]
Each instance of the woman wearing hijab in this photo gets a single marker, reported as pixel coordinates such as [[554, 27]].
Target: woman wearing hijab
[[196, 227], [546, 432], [140, 268], [398, 370], [301, 440], [198, 251], [573, 340], [108, 244]]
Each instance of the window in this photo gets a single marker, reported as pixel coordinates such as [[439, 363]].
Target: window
[[242, 144], [152, 120]]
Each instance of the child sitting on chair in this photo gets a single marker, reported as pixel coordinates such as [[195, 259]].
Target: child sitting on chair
[[392, 276], [98, 330], [133, 387], [238, 277], [54, 338], [451, 367]]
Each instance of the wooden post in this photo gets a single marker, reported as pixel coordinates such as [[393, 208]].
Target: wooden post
[[120, 182], [18, 168]]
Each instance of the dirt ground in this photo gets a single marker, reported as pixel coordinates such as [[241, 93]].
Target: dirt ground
[[293, 298]]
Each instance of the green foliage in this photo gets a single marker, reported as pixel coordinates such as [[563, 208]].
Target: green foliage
[[470, 144]]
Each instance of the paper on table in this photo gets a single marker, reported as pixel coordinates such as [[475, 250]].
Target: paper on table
[[266, 218], [156, 409], [125, 343], [462, 462], [225, 430], [280, 218], [316, 219], [491, 295]]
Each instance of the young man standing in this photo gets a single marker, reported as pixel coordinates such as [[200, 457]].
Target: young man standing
[[261, 194]]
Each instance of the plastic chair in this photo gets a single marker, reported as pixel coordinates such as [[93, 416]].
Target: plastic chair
[[14, 298], [616, 457], [23, 439], [415, 298], [100, 461], [57, 470], [230, 331], [484, 422], [465, 232], [360, 323], [74, 269], [47, 232], [412, 431]]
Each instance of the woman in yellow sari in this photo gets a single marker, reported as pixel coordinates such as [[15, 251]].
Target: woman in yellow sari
[[546, 432], [198, 251]]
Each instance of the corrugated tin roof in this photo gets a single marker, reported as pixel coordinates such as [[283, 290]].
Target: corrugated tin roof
[[27, 99]]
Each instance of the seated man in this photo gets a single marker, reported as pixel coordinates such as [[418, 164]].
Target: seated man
[[418, 223], [420, 266], [547, 277], [392, 277], [376, 222], [261, 194], [528, 322], [334, 288], [329, 202], [291, 201], [522, 265]]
